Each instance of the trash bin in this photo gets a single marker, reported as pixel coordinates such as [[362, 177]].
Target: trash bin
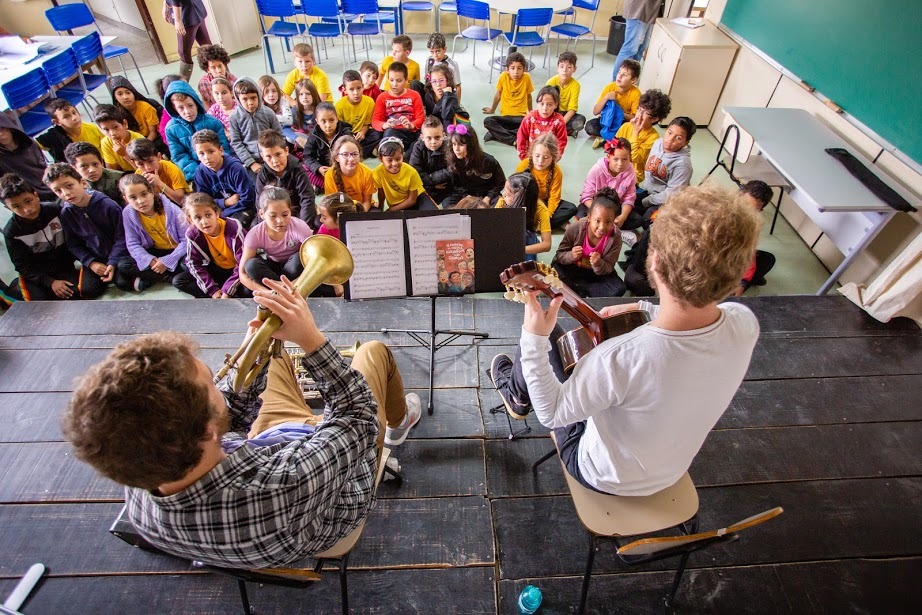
[[616, 27]]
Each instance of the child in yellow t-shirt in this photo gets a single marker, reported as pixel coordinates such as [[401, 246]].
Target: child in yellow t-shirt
[[142, 116], [569, 92], [542, 163], [162, 174], [640, 132], [513, 95], [356, 109], [623, 90], [114, 146], [68, 127], [399, 184], [305, 69], [401, 46]]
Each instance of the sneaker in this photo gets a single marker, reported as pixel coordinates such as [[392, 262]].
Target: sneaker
[[140, 285], [394, 436], [488, 136], [393, 465], [374, 152], [598, 143], [629, 238], [500, 368]]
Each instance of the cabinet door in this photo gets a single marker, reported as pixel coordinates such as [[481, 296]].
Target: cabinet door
[[652, 63], [670, 56]]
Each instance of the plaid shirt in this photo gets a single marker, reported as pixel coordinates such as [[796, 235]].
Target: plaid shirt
[[272, 505]]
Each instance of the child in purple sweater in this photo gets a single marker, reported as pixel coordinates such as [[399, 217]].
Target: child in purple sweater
[[155, 234], [612, 171], [214, 246]]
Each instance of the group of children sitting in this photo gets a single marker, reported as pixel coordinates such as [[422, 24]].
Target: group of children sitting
[[259, 154]]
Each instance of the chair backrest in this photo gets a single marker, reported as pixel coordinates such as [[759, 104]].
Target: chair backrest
[[61, 67], [534, 18], [360, 7], [667, 546], [70, 16], [473, 9], [25, 90], [589, 5], [320, 8], [88, 48], [275, 8]]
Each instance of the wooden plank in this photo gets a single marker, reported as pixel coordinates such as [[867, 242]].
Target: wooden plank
[[433, 532], [32, 417], [736, 456], [495, 425], [49, 472], [776, 358], [457, 415], [823, 520], [509, 470], [383, 592], [819, 401], [438, 468], [455, 366], [842, 586]]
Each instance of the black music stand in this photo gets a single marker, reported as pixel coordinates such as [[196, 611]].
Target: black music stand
[[497, 244]]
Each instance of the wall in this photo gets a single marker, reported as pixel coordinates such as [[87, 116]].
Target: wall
[[753, 81], [25, 18]]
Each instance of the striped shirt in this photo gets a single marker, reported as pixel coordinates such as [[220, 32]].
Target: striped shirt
[[273, 505]]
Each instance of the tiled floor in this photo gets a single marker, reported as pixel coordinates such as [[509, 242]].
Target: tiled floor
[[797, 270]]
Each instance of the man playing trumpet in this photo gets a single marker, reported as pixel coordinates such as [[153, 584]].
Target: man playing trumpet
[[250, 479]]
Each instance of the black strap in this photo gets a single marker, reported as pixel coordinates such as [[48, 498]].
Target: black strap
[[870, 179]]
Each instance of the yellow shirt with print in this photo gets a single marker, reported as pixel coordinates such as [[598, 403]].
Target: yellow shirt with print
[[569, 94], [155, 226], [542, 215], [627, 101], [550, 196], [398, 187], [221, 254], [641, 144], [359, 116], [107, 149], [513, 95], [317, 77], [358, 187], [412, 69]]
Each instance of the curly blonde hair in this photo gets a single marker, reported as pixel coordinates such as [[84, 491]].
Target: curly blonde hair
[[704, 238]]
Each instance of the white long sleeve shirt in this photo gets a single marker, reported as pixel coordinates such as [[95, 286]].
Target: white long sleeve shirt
[[649, 397]]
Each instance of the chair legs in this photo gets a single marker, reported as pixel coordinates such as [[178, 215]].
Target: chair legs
[[344, 583], [241, 584], [138, 70], [590, 560], [689, 527], [771, 231], [512, 433]]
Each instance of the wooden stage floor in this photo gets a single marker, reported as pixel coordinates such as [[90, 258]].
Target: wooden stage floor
[[828, 424]]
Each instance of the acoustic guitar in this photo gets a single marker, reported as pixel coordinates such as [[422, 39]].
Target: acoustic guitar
[[594, 328]]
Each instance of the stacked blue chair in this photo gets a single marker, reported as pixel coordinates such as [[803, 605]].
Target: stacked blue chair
[[445, 7], [89, 50], [574, 31], [476, 12], [65, 77], [281, 29], [77, 15], [371, 24], [529, 18], [420, 7], [25, 92], [329, 24]]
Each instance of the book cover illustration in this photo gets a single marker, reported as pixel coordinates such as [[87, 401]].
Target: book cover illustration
[[455, 266]]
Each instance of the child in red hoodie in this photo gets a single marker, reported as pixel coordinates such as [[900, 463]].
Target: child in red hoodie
[[399, 112], [541, 120]]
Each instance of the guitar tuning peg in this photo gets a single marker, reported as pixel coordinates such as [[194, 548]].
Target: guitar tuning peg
[[509, 295], [523, 298]]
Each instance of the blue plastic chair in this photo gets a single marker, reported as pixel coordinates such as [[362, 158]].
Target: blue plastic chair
[[444, 7], [371, 24], [25, 92], [420, 7], [528, 18], [65, 78], [89, 50], [329, 23], [281, 29], [77, 15], [574, 31], [475, 12]]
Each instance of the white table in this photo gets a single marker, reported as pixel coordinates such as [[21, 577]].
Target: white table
[[61, 44], [794, 141]]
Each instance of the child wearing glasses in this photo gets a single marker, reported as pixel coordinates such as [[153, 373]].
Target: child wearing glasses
[[641, 132], [348, 174]]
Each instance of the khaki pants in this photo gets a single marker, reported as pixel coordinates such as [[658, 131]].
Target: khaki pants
[[283, 401]]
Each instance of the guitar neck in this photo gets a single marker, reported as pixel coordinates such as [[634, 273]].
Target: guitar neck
[[581, 311]]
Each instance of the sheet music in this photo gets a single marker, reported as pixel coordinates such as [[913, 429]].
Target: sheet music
[[378, 254], [423, 232]]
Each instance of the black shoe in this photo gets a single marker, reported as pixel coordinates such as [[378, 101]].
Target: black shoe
[[488, 136], [500, 369]]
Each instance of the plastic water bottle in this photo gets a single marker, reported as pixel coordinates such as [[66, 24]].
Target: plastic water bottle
[[529, 600]]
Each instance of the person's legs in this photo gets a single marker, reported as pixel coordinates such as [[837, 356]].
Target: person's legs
[[370, 142], [35, 292], [634, 33], [408, 137], [507, 376], [293, 266], [375, 361], [503, 128], [568, 448], [610, 285], [315, 179], [647, 33], [425, 203], [565, 210], [259, 268], [593, 127], [633, 221], [245, 218], [635, 279], [764, 263], [89, 285], [576, 123], [283, 401], [185, 282]]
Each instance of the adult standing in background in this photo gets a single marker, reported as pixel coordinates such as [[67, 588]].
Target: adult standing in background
[[188, 17], [640, 15]]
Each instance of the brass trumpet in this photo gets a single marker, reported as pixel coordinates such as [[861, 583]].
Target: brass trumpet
[[326, 261]]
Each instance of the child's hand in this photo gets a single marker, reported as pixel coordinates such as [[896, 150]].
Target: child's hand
[[637, 123], [389, 123], [120, 148], [255, 167], [301, 140], [360, 134], [108, 273], [322, 170], [155, 180], [594, 258], [231, 200], [338, 290], [62, 289], [611, 95], [218, 294], [157, 266], [738, 291], [487, 110], [98, 268], [577, 252]]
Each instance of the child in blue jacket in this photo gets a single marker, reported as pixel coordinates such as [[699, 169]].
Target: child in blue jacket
[[188, 115]]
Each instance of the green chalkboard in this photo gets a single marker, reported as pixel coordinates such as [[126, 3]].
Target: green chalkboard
[[864, 55]]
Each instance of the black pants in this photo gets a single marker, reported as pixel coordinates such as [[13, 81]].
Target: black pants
[[408, 137], [504, 128], [197, 33], [129, 268], [457, 194], [764, 263], [259, 268], [370, 142], [247, 217], [86, 285], [635, 278], [424, 202], [565, 210], [576, 123], [586, 283], [189, 285]]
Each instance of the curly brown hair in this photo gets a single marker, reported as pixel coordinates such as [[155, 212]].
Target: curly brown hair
[[139, 416], [657, 103], [212, 53], [704, 238]]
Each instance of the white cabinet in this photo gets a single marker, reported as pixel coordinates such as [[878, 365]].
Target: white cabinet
[[233, 24], [691, 65]]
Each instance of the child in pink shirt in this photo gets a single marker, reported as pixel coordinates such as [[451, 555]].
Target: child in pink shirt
[[614, 171]]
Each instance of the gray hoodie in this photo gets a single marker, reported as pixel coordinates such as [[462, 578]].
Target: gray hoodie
[[665, 172], [245, 128]]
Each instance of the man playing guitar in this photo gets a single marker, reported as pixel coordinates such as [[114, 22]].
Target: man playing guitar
[[636, 410]]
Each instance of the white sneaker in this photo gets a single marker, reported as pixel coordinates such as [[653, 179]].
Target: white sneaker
[[394, 436], [392, 464], [629, 238]]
